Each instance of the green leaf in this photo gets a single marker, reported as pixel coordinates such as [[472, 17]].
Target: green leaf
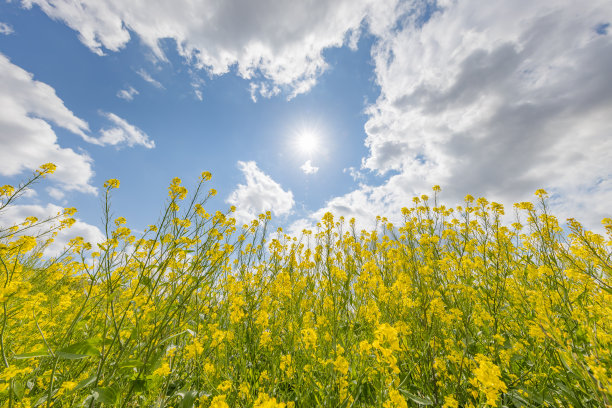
[[32, 354], [139, 385], [418, 400], [18, 389], [79, 350], [517, 399], [105, 395], [167, 339], [86, 382], [41, 400], [188, 398], [131, 364]]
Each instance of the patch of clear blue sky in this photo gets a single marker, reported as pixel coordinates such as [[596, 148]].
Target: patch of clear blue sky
[[192, 135]]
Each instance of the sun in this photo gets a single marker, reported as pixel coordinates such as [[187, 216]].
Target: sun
[[307, 142]]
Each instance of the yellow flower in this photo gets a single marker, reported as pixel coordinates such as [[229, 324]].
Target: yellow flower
[[264, 401], [395, 400], [26, 243], [219, 402], [487, 376], [341, 365], [163, 370], [206, 175], [111, 183], [450, 402], [286, 366], [309, 337], [225, 386], [6, 190], [194, 349], [47, 168], [69, 211]]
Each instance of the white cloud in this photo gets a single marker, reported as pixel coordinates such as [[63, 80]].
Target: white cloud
[[29, 193], [260, 194], [147, 77], [15, 214], [274, 40], [127, 94], [27, 109], [265, 90], [497, 100], [308, 168], [55, 193], [196, 83], [355, 174], [494, 101], [5, 29], [123, 133]]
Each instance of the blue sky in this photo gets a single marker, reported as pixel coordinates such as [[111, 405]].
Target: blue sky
[[488, 99]]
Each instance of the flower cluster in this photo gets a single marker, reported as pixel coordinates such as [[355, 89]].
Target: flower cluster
[[449, 308]]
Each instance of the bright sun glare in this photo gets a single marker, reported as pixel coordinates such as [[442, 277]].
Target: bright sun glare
[[307, 142]]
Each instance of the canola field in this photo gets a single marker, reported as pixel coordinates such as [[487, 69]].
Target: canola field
[[449, 308]]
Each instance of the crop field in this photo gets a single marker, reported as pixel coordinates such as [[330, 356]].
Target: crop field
[[452, 307]]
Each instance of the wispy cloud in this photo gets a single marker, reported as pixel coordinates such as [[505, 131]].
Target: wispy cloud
[[5, 29], [127, 94], [308, 168], [147, 77], [123, 133]]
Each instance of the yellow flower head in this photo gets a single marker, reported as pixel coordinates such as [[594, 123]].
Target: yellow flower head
[[47, 168], [6, 190], [219, 402], [111, 183]]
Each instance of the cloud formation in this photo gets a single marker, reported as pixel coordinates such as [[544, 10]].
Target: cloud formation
[[123, 133], [127, 94], [260, 194], [277, 41], [5, 29], [27, 109], [493, 99], [308, 168], [148, 78]]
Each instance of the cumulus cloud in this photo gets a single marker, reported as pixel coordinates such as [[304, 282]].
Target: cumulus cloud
[[260, 194], [5, 29], [27, 109], [277, 41], [55, 193], [148, 78], [15, 214], [127, 94], [493, 99], [308, 168], [123, 133]]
